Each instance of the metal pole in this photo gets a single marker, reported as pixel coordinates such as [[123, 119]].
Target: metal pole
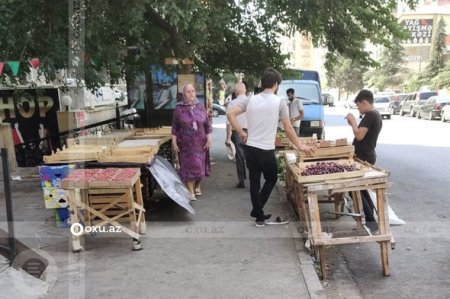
[[9, 209], [118, 126]]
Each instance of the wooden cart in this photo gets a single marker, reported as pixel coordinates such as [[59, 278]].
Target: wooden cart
[[305, 199], [110, 200]]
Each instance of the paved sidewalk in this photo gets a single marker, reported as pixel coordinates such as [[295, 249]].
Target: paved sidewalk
[[216, 253]]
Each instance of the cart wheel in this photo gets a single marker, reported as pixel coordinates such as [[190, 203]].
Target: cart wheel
[[137, 245]]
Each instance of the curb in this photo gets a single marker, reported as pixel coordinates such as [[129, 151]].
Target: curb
[[310, 277]]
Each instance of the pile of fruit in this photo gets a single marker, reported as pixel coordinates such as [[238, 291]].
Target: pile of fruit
[[101, 177], [326, 168]]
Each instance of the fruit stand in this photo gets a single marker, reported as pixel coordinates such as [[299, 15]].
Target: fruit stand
[[333, 171], [117, 149], [106, 197]]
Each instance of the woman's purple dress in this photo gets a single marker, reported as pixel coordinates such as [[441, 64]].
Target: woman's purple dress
[[193, 158]]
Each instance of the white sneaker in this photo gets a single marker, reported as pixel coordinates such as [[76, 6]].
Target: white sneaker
[[278, 221]]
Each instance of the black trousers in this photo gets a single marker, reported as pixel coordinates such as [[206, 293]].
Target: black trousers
[[240, 156], [260, 162], [368, 206]]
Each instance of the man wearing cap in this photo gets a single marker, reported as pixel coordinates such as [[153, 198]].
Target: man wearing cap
[[240, 92], [263, 111], [365, 141]]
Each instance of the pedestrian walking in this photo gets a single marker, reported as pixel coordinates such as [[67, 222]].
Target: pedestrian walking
[[263, 112], [240, 91], [191, 140]]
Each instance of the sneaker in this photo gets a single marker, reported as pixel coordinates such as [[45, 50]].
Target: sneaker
[[278, 221], [266, 216], [193, 198], [260, 223]]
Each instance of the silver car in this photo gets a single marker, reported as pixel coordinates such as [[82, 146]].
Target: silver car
[[382, 105]]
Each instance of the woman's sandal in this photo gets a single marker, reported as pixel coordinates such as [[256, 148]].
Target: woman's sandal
[[198, 193]]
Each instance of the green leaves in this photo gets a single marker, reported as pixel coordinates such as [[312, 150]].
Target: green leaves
[[221, 35]]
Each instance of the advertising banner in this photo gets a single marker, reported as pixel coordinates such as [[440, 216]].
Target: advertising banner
[[420, 30], [34, 124]]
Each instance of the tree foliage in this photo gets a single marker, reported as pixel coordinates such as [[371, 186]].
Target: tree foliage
[[391, 72], [346, 75], [438, 51], [220, 35]]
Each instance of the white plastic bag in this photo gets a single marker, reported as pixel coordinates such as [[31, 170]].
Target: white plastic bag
[[393, 218], [170, 182]]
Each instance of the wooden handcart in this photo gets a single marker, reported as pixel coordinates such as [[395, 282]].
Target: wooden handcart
[[106, 198], [304, 193]]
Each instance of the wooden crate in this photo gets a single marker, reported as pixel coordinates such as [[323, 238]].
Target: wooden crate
[[110, 138], [153, 132], [359, 172], [138, 154], [331, 152], [111, 203], [75, 153]]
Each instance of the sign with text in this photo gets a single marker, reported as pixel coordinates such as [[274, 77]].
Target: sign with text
[[32, 115], [420, 30]]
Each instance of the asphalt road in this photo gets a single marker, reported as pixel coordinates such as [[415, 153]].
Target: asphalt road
[[417, 153]]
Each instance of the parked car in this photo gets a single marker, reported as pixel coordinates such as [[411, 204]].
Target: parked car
[[394, 102], [382, 105], [350, 103], [411, 103], [432, 108], [218, 109], [328, 99], [445, 113]]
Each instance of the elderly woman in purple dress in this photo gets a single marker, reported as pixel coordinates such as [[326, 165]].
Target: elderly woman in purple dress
[[191, 139]]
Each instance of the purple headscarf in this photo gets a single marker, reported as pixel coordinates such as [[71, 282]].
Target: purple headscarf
[[186, 102], [184, 98]]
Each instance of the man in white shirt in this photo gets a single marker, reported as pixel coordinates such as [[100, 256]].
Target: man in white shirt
[[240, 92], [296, 112], [263, 111]]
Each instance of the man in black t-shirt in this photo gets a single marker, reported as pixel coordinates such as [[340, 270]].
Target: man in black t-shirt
[[366, 136]]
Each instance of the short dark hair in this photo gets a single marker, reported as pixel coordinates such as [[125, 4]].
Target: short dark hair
[[364, 94], [290, 90], [246, 85], [269, 77]]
